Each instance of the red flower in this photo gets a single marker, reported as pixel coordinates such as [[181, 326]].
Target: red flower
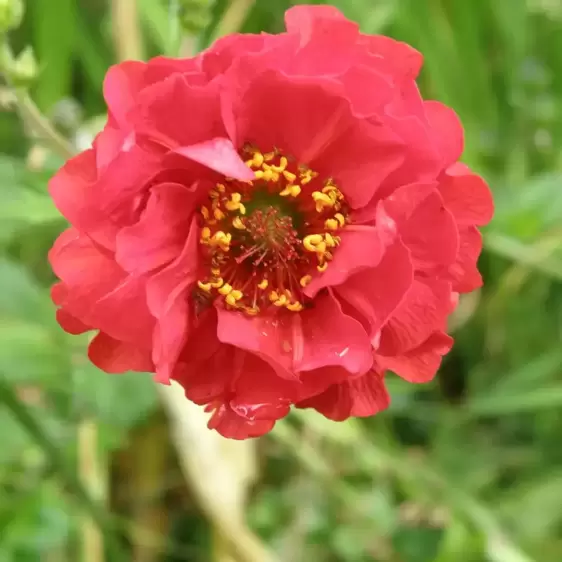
[[275, 222]]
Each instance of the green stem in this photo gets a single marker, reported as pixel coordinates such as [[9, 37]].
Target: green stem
[[27, 419]]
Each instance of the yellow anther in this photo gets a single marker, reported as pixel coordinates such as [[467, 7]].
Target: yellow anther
[[233, 296], [273, 296], [269, 156], [234, 203], [340, 218], [220, 188], [218, 214], [217, 283], [292, 190], [263, 284], [237, 223], [305, 280], [283, 162], [266, 175], [215, 271], [225, 289], [221, 239], [294, 306], [322, 267], [242, 209], [322, 198], [311, 242], [258, 159], [252, 310], [204, 286], [289, 176], [331, 242], [205, 234], [281, 301], [321, 248], [307, 176], [331, 224], [205, 213]]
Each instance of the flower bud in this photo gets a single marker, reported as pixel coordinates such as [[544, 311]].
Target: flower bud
[[194, 15], [11, 14], [23, 70]]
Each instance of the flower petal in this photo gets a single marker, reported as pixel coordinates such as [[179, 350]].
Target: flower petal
[[376, 292], [332, 338], [423, 310], [233, 426], [113, 356], [431, 234], [420, 364], [97, 292], [466, 196], [361, 247], [359, 397], [220, 155], [268, 337], [159, 236], [160, 113], [447, 131], [464, 272]]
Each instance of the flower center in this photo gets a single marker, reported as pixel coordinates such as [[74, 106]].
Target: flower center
[[263, 239]]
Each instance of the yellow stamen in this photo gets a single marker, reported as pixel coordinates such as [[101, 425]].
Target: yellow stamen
[[294, 306], [237, 223], [204, 286], [205, 234], [225, 289], [311, 242], [292, 190], [331, 224], [263, 284], [322, 267], [289, 176], [281, 301], [218, 214], [340, 218], [305, 280], [219, 282]]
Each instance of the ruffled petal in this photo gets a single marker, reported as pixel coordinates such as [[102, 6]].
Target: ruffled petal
[[331, 338], [420, 364], [423, 310], [97, 291], [431, 234], [168, 297], [159, 236], [466, 196], [113, 356], [219, 155], [447, 131], [375, 293], [319, 28], [233, 426], [175, 113], [464, 272], [359, 397], [268, 337], [361, 247]]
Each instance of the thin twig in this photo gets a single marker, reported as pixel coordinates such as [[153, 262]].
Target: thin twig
[[127, 37], [91, 475], [40, 126], [234, 16], [211, 480]]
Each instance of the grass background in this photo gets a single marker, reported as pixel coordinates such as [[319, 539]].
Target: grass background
[[465, 469]]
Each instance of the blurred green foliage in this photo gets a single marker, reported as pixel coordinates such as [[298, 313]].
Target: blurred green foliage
[[466, 469]]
